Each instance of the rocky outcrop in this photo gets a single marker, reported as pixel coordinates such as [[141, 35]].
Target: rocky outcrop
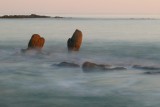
[[67, 64], [74, 43], [36, 42], [91, 67]]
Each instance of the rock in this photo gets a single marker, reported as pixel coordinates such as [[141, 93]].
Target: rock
[[74, 43], [145, 67], [36, 42], [67, 64], [91, 67]]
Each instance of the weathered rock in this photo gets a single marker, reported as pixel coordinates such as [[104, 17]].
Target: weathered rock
[[67, 64], [36, 42], [146, 67], [74, 43], [91, 67]]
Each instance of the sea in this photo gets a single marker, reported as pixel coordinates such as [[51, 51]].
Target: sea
[[31, 79]]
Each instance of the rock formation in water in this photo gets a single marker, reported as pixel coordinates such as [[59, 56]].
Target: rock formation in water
[[36, 42], [74, 43], [91, 67], [67, 64]]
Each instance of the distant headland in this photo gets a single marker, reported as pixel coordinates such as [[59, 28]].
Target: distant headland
[[27, 16]]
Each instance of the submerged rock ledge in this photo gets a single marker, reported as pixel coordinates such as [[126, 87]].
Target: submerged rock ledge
[[67, 64], [91, 67]]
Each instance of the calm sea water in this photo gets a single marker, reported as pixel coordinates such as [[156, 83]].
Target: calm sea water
[[31, 80]]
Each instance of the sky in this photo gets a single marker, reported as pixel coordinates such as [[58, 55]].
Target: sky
[[114, 7]]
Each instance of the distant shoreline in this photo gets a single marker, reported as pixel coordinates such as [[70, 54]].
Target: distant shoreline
[[34, 16], [26, 16]]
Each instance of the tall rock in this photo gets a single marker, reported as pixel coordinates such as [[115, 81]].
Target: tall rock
[[36, 42], [74, 43]]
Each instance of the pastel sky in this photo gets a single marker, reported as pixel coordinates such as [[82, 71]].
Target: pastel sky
[[80, 6]]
